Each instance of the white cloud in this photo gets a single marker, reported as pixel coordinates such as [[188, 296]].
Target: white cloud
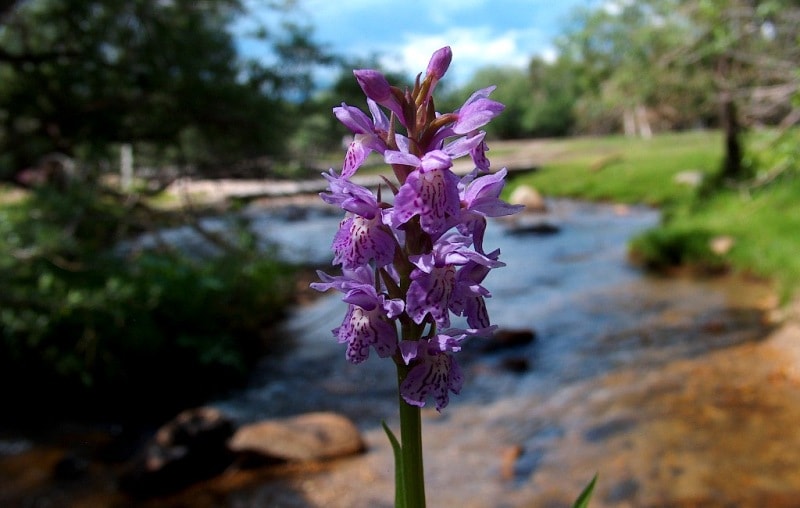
[[473, 48]]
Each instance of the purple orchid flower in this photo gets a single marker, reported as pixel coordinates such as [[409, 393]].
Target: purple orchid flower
[[369, 135], [349, 196], [430, 191], [361, 240], [480, 198], [434, 281], [368, 321]]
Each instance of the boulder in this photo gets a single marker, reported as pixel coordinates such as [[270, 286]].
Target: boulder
[[506, 338], [689, 178], [516, 364], [311, 436], [721, 245], [189, 448], [529, 197], [540, 228]]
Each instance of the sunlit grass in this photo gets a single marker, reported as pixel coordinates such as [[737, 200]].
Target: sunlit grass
[[627, 169], [765, 225]]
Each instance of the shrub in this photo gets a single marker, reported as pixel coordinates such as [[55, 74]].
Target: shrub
[[86, 330]]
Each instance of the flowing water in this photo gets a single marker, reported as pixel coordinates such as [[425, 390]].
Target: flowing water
[[653, 382]]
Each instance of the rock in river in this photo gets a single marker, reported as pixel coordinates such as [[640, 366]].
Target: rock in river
[[189, 448], [310, 436]]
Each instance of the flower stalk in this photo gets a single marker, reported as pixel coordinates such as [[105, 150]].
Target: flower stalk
[[413, 472]]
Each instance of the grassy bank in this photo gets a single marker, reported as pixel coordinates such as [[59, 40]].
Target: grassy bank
[[760, 217]]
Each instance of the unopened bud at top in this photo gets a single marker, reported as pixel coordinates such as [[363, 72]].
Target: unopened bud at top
[[440, 61]]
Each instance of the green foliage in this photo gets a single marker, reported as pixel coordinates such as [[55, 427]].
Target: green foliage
[[78, 77], [538, 103], [665, 248], [397, 451], [83, 327], [586, 495], [515, 92]]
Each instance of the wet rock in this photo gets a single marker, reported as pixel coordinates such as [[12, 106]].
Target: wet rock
[[529, 197], [609, 429], [190, 448], [311, 436], [506, 338], [516, 364], [71, 467], [624, 491], [508, 461], [534, 228]]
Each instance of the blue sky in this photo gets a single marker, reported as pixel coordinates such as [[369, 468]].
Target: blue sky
[[480, 32]]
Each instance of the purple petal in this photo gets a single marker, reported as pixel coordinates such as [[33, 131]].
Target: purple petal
[[476, 114], [435, 376], [430, 293], [464, 145], [361, 240], [353, 118]]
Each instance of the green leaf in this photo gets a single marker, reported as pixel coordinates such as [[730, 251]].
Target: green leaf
[[399, 491], [583, 499]]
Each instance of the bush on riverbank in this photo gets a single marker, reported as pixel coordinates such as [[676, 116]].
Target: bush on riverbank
[[86, 330], [761, 216]]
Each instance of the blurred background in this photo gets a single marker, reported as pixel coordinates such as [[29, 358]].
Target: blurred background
[[159, 225]]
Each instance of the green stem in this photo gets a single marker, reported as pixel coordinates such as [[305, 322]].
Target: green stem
[[411, 448]]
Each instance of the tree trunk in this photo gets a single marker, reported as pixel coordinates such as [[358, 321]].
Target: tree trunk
[[644, 124], [628, 123], [732, 167]]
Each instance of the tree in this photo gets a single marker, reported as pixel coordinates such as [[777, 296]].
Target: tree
[[79, 76], [626, 68], [555, 90], [752, 49]]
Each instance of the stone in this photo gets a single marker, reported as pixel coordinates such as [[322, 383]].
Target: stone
[[721, 245], [508, 461], [516, 364], [71, 467], [691, 179], [189, 448], [307, 437], [534, 228], [529, 197], [506, 338]]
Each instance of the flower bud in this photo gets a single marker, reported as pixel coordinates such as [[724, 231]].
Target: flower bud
[[377, 88], [374, 84], [439, 63]]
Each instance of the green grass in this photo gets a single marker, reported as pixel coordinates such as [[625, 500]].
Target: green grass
[[627, 170], [762, 219], [765, 225]]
